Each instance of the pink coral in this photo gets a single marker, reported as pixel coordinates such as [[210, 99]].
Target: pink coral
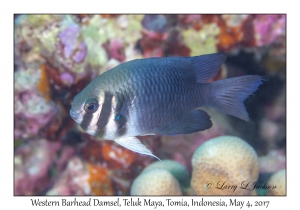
[[115, 49], [67, 152], [70, 51], [32, 165], [72, 47], [32, 111], [268, 28], [73, 181], [192, 18], [67, 78]]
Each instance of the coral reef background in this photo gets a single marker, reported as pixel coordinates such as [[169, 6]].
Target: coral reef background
[[56, 56]]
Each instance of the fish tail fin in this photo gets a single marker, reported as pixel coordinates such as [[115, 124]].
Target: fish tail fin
[[228, 95]]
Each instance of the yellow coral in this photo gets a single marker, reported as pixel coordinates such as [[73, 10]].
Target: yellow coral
[[203, 41], [100, 30], [278, 180], [155, 182], [222, 165]]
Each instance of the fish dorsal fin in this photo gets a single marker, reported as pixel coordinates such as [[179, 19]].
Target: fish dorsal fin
[[207, 66], [134, 144]]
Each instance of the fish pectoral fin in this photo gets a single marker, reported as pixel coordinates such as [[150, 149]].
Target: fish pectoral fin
[[134, 144], [196, 120]]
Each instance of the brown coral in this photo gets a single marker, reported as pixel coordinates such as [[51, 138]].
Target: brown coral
[[99, 180], [116, 156], [222, 165], [44, 85]]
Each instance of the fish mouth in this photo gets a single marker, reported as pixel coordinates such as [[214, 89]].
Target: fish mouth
[[76, 116]]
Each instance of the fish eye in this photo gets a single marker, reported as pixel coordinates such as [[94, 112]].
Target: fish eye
[[91, 105]]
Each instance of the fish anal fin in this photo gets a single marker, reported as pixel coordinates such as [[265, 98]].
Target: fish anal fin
[[134, 144], [196, 120]]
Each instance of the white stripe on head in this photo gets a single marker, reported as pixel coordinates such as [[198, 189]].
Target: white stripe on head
[[111, 128], [92, 127]]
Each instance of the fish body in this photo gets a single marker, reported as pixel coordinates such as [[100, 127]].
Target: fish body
[[159, 96]]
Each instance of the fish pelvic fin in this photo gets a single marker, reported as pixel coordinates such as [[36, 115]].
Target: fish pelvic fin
[[207, 66], [228, 95], [134, 144]]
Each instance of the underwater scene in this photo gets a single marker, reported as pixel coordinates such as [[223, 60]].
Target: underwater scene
[[210, 122]]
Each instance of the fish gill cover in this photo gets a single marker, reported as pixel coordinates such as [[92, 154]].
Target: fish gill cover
[[57, 56]]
